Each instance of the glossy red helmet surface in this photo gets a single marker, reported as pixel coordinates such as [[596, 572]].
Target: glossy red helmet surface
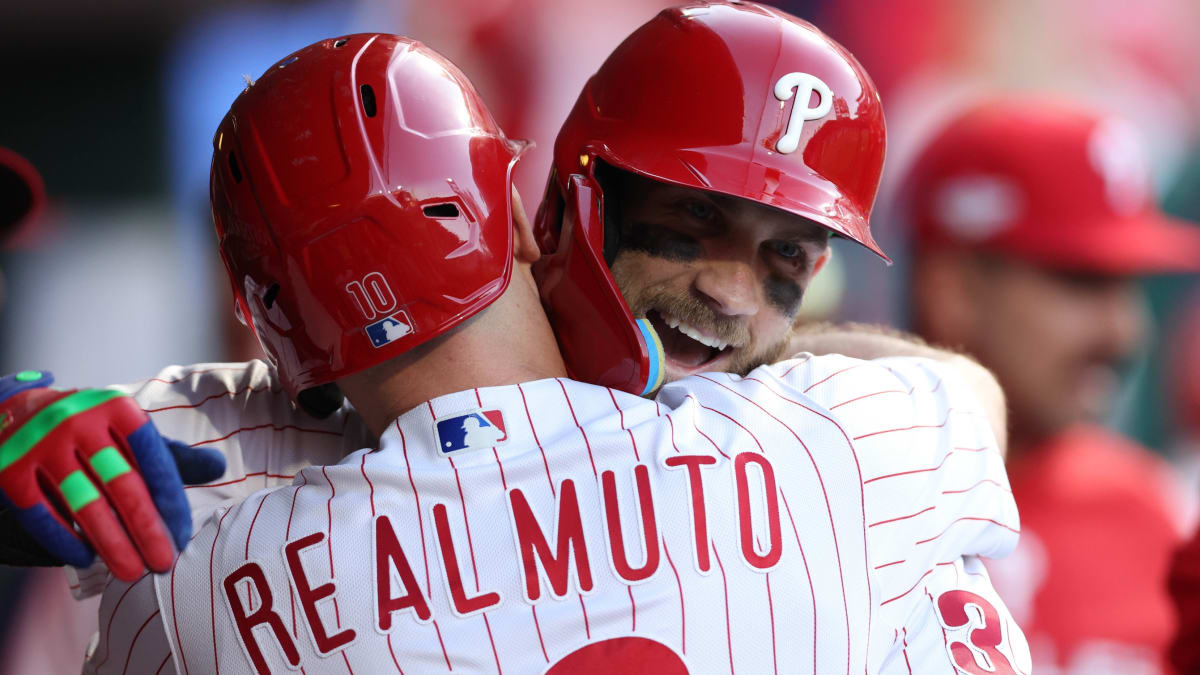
[[735, 98], [361, 193]]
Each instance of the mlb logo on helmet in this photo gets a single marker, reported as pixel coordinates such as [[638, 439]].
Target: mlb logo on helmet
[[471, 431], [389, 329]]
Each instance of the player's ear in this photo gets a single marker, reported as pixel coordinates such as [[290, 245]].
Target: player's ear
[[525, 248]]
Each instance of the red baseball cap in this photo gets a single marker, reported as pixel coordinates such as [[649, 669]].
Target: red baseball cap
[[22, 193], [1048, 183]]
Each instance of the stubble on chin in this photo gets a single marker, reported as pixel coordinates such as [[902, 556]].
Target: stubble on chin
[[642, 298]]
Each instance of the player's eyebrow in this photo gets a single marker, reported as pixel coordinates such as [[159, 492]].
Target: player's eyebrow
[[804, 229], [795, 227]]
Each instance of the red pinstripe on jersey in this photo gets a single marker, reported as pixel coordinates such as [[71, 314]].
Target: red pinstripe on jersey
[[249, 389], [682, 610], [587, 626], [258, 427], [632, 611], [636, 455], [912, 427], [899, 518], [583, 433], [824, 494], [175, 620], [392, 653], [421, 528], [212, 606], [771, 613], [799, 362], [202, 371], [533, 430], [808, 575], [716, 448], [538, 626], [739, 425], [651, 563], [113, 613], [725, 590], [983, 481], [239, 480], [926, 470], [470, 542], [964, 519], [722, 417], [287, 535], [503, 480], [829, 377], [136, 635], [671, 426], [910, 590], [362, 467], [252, 521], [337, 613], [870, 395]]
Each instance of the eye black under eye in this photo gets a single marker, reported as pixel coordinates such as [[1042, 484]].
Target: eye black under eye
[[660, 241]]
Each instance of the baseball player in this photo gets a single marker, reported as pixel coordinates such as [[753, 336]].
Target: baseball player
[[1032, 221], [598, 529], [715, 23]]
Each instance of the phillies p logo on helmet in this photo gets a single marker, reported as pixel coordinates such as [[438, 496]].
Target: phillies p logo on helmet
[[803, 85]]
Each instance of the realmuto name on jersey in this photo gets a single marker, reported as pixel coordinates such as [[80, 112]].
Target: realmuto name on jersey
[[551, 555]]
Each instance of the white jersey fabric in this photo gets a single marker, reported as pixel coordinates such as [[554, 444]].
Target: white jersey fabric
[[241, 410], [823, 514]]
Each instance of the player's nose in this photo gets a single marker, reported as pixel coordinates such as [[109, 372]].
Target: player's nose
[[729, 287]]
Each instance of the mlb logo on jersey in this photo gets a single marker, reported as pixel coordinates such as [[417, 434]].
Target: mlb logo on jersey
[[471, 431], [389, 329]]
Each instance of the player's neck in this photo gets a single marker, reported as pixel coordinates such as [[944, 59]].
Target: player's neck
[[509, 342]]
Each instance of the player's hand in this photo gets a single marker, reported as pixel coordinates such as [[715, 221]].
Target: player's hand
[[85, 472]]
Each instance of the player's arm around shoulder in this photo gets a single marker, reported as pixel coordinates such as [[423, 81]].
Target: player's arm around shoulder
[[882, 345], [242, 411]]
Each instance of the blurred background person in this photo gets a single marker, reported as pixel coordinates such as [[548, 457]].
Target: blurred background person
[[1184, 395], [1031, 222]]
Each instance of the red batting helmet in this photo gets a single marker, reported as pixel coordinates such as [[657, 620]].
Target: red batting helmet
[[731, 97], [362, 197]]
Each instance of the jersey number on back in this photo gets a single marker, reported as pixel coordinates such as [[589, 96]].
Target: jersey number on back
[[961, 610]]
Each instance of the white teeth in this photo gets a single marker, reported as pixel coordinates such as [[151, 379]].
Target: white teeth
[[693, 333]]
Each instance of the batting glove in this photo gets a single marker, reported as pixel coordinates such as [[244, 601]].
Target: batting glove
[[85, 472]]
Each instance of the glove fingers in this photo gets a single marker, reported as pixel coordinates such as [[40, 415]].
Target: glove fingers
[[128, 495], [157, 467], [197, 465], [130, 499], [99, 524]]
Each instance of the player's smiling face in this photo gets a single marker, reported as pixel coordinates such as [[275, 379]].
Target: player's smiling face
[[720, 278]]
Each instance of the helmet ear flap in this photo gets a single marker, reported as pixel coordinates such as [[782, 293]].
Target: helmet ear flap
[[548, 221], [607, 178]]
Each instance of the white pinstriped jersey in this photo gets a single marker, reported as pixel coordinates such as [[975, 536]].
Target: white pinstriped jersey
[[241, 410], [823, 514]]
